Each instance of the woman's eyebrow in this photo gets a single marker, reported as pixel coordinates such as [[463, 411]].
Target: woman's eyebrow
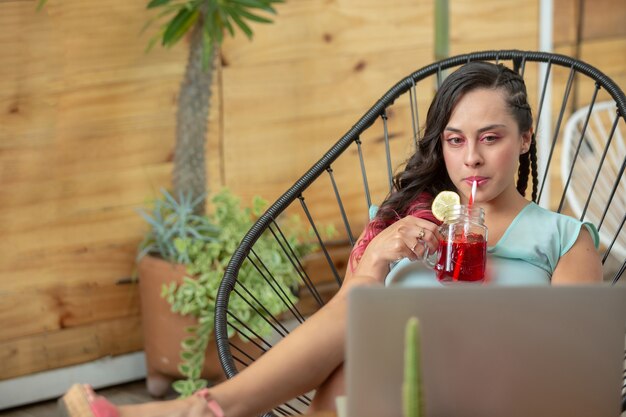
[[482, 129]]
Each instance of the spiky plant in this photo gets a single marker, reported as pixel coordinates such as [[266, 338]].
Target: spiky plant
[[206, 22]]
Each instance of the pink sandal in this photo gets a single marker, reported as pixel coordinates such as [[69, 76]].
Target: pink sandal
[[81, 401]]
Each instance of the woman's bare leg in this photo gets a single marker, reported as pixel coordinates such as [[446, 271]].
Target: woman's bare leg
[[300, 363], [331, 388]]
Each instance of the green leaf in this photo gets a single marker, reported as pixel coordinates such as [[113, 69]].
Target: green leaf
[[168, 10], [179, 25], [226, 21], [242, 25], [249, 3], [153, 42], [252, 16], [180, 386], [40, 4], [157, 3], [199, 384], [218, 32], [195, 373], [258, 205], [189, 343], [256, 4]]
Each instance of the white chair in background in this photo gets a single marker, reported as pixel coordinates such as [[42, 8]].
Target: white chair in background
[[585, 150]]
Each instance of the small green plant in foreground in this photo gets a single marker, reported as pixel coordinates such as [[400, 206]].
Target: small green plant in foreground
[[413, 404]]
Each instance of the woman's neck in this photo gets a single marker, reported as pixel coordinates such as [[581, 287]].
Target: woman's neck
[[504, 205], [500, 212], [507, 204]]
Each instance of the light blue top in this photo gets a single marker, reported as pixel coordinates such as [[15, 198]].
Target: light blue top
[[526, 254]]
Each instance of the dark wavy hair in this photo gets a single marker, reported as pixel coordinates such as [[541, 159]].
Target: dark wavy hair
[[425, 175]]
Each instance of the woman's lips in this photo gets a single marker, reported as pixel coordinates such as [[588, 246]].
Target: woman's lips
[[479, 180]]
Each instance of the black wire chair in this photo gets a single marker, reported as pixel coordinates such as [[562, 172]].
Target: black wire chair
[[339, 190]]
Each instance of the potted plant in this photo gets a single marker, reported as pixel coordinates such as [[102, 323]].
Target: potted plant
[[161, 261], [189, 255], [205, 22]]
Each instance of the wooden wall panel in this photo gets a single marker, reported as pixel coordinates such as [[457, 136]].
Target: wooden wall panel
[[602, 19], [86, 137], [71, 346], [493, 24], [87, 125]]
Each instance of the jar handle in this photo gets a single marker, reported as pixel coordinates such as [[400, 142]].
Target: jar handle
[[428, 258]]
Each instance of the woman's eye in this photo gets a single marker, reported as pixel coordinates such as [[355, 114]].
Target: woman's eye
[[454, 141], [489, 138]]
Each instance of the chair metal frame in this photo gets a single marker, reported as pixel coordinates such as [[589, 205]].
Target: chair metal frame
[[267, 222]]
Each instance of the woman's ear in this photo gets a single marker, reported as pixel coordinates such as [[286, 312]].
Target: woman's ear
[[527, 138]]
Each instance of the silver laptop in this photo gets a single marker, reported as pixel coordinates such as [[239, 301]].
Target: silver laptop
[[490, 351]]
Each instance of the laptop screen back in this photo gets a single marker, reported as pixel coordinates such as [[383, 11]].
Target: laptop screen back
[[490, 351]]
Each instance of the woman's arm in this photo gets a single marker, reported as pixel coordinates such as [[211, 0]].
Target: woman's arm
[[581, 264]]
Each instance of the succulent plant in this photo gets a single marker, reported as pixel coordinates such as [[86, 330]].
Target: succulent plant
[[412, 399]]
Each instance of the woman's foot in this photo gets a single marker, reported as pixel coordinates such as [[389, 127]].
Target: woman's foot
[[81, 401], [187, 407]]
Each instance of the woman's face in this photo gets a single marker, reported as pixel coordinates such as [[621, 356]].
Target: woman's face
[[482, 142]]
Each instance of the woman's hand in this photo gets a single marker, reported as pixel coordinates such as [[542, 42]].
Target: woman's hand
[[407, 238]]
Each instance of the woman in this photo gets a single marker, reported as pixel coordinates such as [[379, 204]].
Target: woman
[[478, 128]]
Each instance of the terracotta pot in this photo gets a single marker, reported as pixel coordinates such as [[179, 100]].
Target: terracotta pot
[[163, 330]]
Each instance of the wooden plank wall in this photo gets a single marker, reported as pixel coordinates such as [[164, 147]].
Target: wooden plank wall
[[86, 137]]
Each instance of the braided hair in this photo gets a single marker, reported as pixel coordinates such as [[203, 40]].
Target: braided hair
[[425, 174], [517, 100]]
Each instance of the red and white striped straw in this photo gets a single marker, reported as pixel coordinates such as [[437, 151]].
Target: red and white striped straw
[[473, 195]]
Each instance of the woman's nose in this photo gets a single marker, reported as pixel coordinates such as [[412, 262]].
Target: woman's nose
[[473, 158]]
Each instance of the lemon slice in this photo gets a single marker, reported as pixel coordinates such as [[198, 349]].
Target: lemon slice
[[444, 201]]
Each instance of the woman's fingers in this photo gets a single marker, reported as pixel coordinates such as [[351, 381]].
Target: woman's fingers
[[416, 236], [425, 233]]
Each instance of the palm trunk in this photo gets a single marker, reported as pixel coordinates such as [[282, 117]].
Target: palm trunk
[[189, 172]]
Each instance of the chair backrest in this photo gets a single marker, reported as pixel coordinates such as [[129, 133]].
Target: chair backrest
[[585, 137], [357, 172]]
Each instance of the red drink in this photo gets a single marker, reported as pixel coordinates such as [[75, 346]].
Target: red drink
[[462, 259]]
